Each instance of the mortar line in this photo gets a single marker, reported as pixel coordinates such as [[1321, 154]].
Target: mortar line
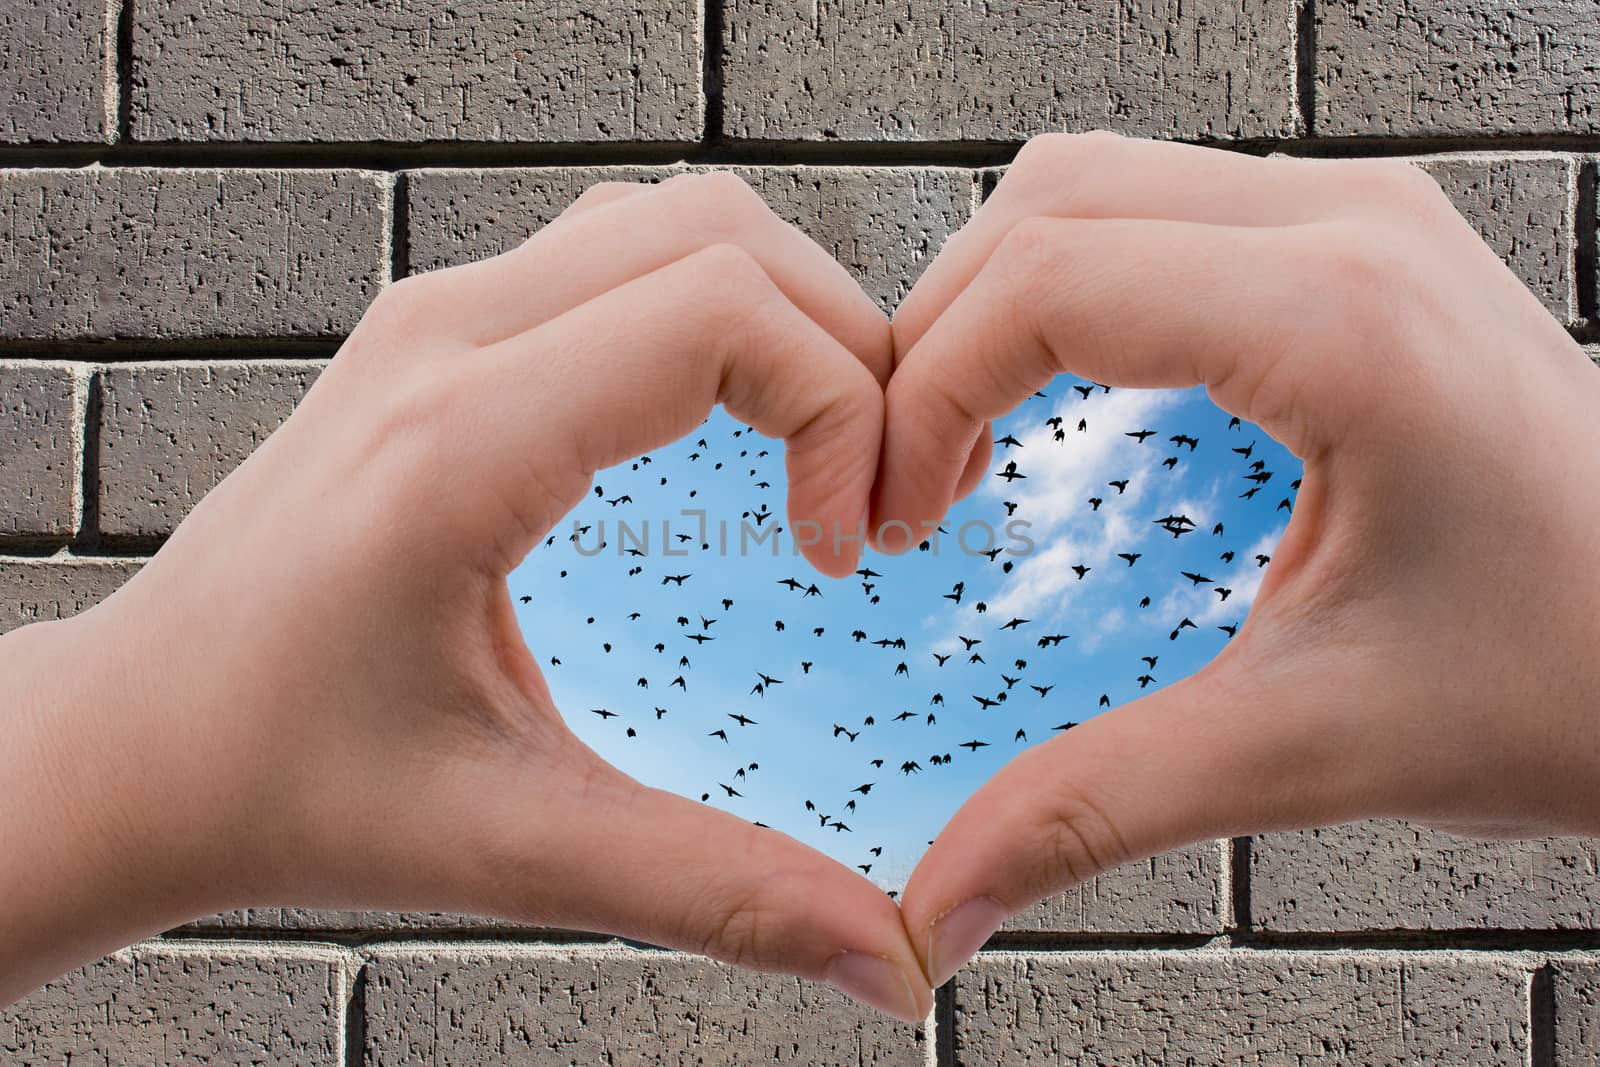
[[395, 156], [1542, 1021], [87, 531], [943, 1038], [711, 29], [122, 131], [1585, 239], [1240, 919], [1305, 65], [354, 1027], [399, 235], [82, 382]]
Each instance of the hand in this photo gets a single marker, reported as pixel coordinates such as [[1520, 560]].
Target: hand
[[317, 693], [1422, 644]]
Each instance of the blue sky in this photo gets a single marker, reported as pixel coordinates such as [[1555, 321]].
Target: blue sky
[[583, 603]]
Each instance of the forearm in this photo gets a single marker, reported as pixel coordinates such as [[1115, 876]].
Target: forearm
[[97, 847]]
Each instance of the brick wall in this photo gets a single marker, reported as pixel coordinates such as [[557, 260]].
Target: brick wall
[[197, 200]]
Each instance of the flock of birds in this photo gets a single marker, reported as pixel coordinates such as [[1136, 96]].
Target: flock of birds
[[652, 679]]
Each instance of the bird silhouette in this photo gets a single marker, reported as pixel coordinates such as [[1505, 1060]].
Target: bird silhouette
[[844, 637]]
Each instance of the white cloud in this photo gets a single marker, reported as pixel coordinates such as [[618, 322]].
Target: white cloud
[[1062, 476], [1202, 604]]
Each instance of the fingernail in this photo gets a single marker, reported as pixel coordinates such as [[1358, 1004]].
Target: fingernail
[[958, 936], [875, 981]]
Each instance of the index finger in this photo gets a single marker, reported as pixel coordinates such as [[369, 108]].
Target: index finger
[[617, 236], [1102, 175], [1073, 295]]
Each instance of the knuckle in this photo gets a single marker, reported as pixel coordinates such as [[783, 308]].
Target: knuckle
[[733, 272], [1395, 184], [1057, 158], [1030, 270], [724, 203], [1076, 840], [1060, 146], [724, 184], [742, 293], [404, 309], [734, 932], [1358, 264], [1031, 247], [949, 399], [605, 190]]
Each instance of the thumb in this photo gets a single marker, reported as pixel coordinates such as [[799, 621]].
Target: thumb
[[1216, 755], [649, 865]]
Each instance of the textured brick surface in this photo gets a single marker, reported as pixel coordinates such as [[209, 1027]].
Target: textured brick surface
[[882, 223], [56, 70], [1520, 206], [1385, 875], [39, 457], [1575, 988], [311, 920], [240, 221], [37, 590], [169, 433], [1457, 67], [137, 252], [1179, 892], [1218, 1007], [921, 70], [155, 1005], [416, 70], [552, 1007]]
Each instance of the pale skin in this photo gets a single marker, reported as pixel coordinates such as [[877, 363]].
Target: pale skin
[[316, 692]]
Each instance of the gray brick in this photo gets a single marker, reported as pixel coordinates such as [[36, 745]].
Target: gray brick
[[1229, 1007], [169, 433], [885, 224], [199, 1004], [468, 1005], [1457, 67], [1385, 875], [1520, 207], [147, 253], [417, 70], [57, 70], [1575, 986], [924, 70], [37, 590], [39, 451], [1181, 892]]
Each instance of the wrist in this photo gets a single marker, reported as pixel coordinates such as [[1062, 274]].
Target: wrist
[[103, 835]]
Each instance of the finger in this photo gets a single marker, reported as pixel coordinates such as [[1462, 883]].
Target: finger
[[1209, 757], [599, 195], [622, 237], [1102, 175], [643, 364], [688, 876], [977, 461], [1075, 295]]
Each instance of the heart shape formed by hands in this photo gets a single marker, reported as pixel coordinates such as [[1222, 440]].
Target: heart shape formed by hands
[[1115, 544], [1058, 272], [406, 719]]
